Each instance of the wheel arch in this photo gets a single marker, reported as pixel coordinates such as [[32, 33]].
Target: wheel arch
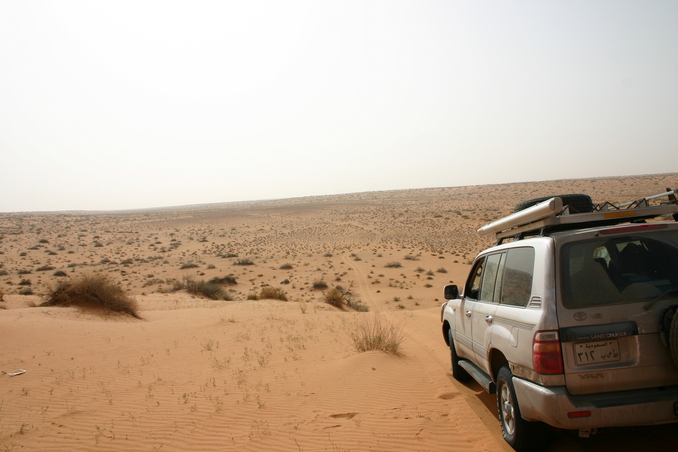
[[446, 332], [497, 361]]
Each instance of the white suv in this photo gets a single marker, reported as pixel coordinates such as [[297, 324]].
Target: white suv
[[569, 318]]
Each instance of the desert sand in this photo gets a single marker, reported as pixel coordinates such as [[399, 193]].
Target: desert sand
[[247, 374]]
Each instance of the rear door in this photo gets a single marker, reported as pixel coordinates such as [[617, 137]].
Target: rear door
[[615, 286], [485, 307]]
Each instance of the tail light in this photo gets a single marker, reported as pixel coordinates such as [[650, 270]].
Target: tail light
[[547, 355]]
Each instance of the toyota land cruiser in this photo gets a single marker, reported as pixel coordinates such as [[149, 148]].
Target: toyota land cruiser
[[569, 318]]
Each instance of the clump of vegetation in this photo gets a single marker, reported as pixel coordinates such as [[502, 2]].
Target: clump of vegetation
[[335, 297], [409, 257], [224, 280], [25, 282], [272, 293], [286, 266], [188, 265], [393, 265], [441, 270], [202, 288], [243, 262], [95, 292], [319, 285], [377, 333], [207, 289], [59, 273], [340, 297]]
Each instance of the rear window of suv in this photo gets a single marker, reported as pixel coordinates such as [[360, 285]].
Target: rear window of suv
[[620, 269]]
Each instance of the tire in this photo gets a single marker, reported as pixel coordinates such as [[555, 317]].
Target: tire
[[578, 202], [458, 372], [520, 434], [673, 339]]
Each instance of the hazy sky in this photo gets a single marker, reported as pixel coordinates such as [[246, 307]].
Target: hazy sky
[[129, 104]]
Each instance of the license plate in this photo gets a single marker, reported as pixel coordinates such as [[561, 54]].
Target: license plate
[[596, 352]]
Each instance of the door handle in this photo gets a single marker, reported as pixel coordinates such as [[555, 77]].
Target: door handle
[[488, 318], [468, 313]]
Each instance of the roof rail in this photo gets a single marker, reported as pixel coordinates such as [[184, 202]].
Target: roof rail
[[553, 215]]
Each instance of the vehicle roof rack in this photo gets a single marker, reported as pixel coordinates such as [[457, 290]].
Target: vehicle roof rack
[[552, 215]]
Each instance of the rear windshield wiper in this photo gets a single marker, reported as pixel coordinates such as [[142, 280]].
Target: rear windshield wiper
[[659, 297]]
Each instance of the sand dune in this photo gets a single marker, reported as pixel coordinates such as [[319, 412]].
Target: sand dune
[[199, 374]]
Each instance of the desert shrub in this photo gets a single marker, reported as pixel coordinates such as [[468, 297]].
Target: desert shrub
[[441, 270], [224, 280], [319, 285], [96, 292], [409, 257], [206, 289], [393, 265], [188, 265], [360, 307], [335, 297], [376, 333], [25, 282], [420, 270], [3, 273], [272, 293], [286, 266], [243, 262], [202, 288], [24, 272], [26, 291], [252, 296], [340, 297]]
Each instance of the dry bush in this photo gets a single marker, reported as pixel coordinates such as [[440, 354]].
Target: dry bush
[[339, 297], [224, 280], [319, 285], [377, 333], [335, 297], [272, 293], [96, 292], [202, 288]]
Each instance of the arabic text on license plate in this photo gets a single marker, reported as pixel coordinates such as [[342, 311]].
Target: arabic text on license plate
[[596, 352]]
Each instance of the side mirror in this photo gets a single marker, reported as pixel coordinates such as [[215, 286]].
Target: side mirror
[[451, 292]]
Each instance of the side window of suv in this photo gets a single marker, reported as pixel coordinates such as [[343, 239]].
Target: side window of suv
[[517, 282], [490, 287]]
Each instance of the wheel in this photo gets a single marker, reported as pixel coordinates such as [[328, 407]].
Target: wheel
[[520, 434], [458, 372], [673, 339], [579, 203]]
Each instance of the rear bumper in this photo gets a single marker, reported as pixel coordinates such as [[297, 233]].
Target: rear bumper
[[613, 409]]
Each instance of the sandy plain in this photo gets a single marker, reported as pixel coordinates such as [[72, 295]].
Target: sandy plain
[[198, 374]]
